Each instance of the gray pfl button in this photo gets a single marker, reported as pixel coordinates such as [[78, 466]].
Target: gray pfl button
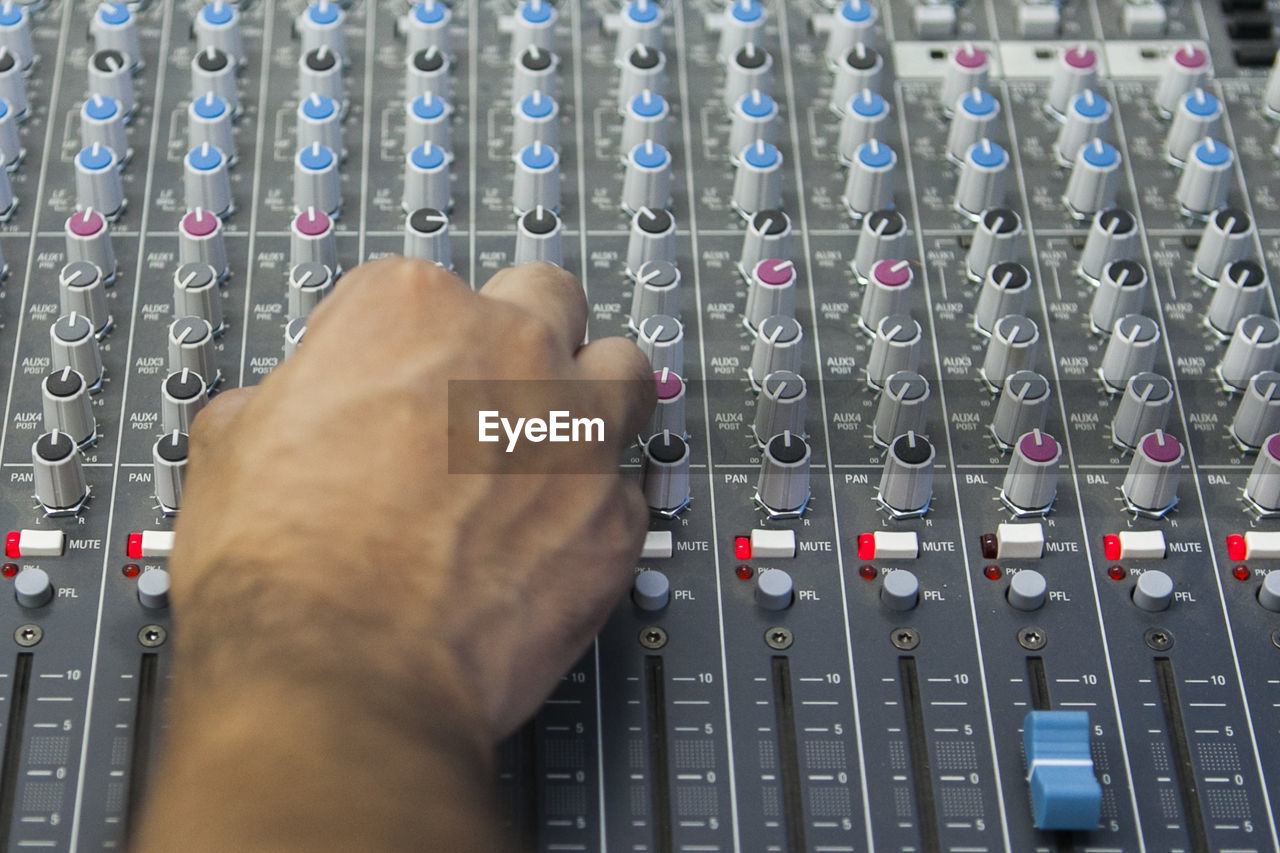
[[1135, 341], [768, 236], [191, 348], [1269, 592], [1227, 236], [109, 74], [1113, 236], [895, 347], [779, 345], [997, 237], [182, 395], [900, 590], [906, 483], [73, 344], [214, 71], [669, 414], [169, 468], [749, 69], [426, 236], [1252, 349], [153, 589], [320, 72], [81, 290], [772, 290], [1262, 489], [535, 70], [64, 398], [1122, 290], [1031, 480], [196, 294], [60, 484], [309, 283], [903, 407], [1014, 344], [427, 71], [294, 331], [1241, 290], [651, 591], [1258, 414], [1005, 290], [661, 338], [1150, 486], [665, 474], [538, 237], [780, 406], [783, 487], [774, 590], [644, 69], [32, 588], [858, 70], [1143, 408], [652, 238], [1153, 591], [1027, 591], [657, 291], [888, 291], [1023, 407], [880, 237]]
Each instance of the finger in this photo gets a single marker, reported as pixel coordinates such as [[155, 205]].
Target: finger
[[547, 292], [624, 383], [216, 417], [386, 286]]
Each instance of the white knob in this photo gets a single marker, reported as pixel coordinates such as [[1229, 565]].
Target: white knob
[[534, 25], [101, 121], [862, 120], [772, 290], [1206, 178], [320, 122], [427, 120], [196, 294], [757, 183], [1121, 290], [880, 237], [315, 180], [538, 237], [754, 116], [643, 69], [869, 184], [110, 74], [1199, 115], [983, 178], [997, 238], [535, 70], [1228, 236], [639, 24], [309, 283], [98, 184], [1253, 348], [750, 69], [427, 70], [311, 238], [646, 117], [217, 25], [1076, 71], [214, 71], [768, 235], [209, 123], [200, 240], [741, 24], [1132, 349], [888, 291], [89, 239], [779, 345], [903, 407], [82, 291], [323, 23], [1113, 236], [646, 180], [968, 67], [1015, 341], [535, 118], [974, 118], [427, 25], [1088, 117], [114, 27], [537, 179], [1186, 68], [427, 179], [653, 238], [859, 69], [1150, 486], [426, 236], [182, 395], [206, 180]]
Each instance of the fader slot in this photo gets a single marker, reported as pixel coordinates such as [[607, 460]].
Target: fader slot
[[1181, 746], [788, 753], [13, 742], [659, 754], [918, 746], [144, 731]]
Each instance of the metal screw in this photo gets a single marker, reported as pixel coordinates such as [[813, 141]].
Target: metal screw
[[653, 637], [1158, 639], [779, 638], [28, 635], [905, 639], [152, 636], [1032, 639]]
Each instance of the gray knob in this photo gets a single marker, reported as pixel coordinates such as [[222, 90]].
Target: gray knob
[[863, 119], [906, 483], [538, 235], [772, 290], [1206, 178], [975, 116], [153, 589], [427, 25], [669, 413], [201, 241], [1153, 591], [213, 71], [535, 70], [98, 185], [900, 590], [428, 70], [869, 184], [320, 71], [1252, 349], [534, 25], [895, 347], [217, 25], [323, 23], [102, 120], [651, 591], [666, 473], [209, 121], [1113, 236], [1095, 178], [1269, 592], [984, 173], [880, 238], [639, 23], [757, 183], [968, 68], [661, 338], [196, 294], [1027, 591], [32, 588], [996, 238], [1242, 288], [115, 27], [1187, 68], [1151, 484], [73, 344], [1198, 115], [13, 85], [852, 24], [315, 180], [169, 467], [81, 290], [294, 331], [644, 69], [11, 149], [428, 115], [535, 118], [646, 116], [1228, 236], [657, 291], [652, 238], [110, 73], [15, 33], [1262, 489], [1015, 341], [191, 348], [537, 179], [426, 236], [206, 180], [774, 590], [1122, 289], [888, 291], [779, 345], [754, 116], [858, 69], [1075, 72], [182, 395], [1258, 414], [783, 487], [1031, 480], [903, 407], [1022, 408], [311, 238], [64, 397], [646, 181], [768, 236], [60, 483], [428, 182], [1087, 118], [780, 406], [1135, 341], [1144, 408], [749, 69], [1005, 290], [308, 283]]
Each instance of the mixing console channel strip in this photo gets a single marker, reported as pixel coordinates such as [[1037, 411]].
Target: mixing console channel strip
[[966, 466]]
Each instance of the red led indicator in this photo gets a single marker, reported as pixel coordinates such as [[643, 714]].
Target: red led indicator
[[135, 546], [10, 570], [1117, 573], [11, 545], [742, 547], [1236, 548], [866, 546], [131, 570], [993, 573], [1111, 547], [1241, 573], [867, 573], [745, 572]]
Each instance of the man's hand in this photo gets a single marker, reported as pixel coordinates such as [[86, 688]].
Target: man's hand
[[336, 587]]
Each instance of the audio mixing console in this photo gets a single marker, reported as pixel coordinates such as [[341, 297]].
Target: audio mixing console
[[965, 473]]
